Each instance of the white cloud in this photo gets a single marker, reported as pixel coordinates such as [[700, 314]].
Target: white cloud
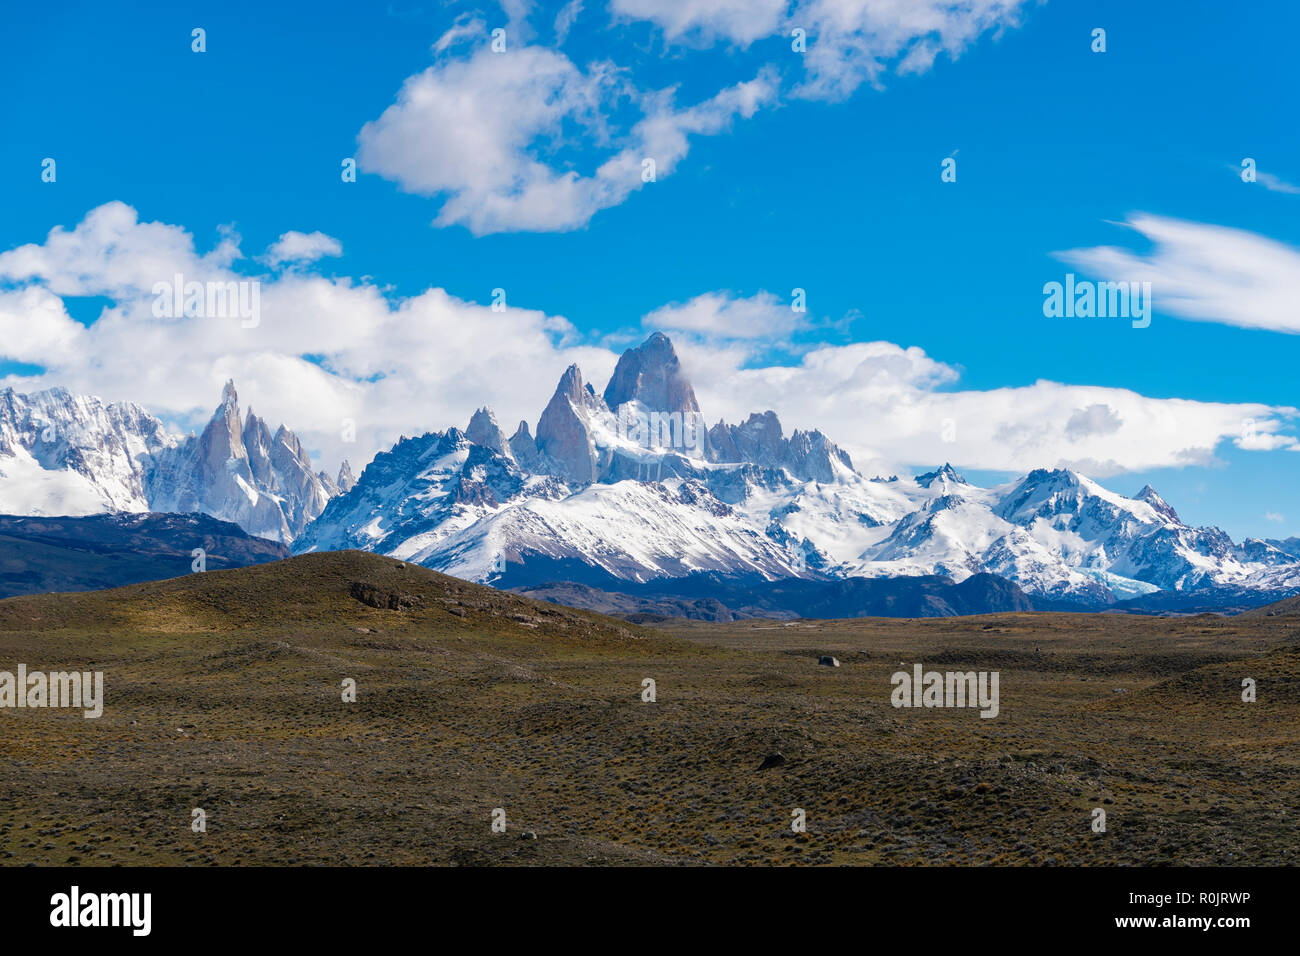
[[409, 365], [35, 326], [482, 131], [1250, 439], [112, 253], [739, 21], [852, 42], [465, 28], [302, 248], [499, 136], [393, 366], [565, 19], [720, 315], [517, 13], [1277, 184], [1270, 181], [891, 406], [849, 42], [1206, 273], [462, 127]]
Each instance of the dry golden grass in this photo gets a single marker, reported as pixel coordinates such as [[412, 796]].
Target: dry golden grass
[[223, 693]]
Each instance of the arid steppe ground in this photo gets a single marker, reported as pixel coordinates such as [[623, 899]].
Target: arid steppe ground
[[223, 692]]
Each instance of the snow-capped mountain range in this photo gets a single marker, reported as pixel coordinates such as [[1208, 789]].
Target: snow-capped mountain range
[[626, 487], [65, 454]]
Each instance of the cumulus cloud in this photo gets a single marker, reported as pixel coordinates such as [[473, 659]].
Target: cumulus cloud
[[112, 253], [302, 247], [480, 132], [1204, 272], [398, 366], [35, 327]]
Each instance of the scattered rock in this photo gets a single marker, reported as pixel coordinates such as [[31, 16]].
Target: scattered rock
[[774, 759], [828, 661], [382, 598]]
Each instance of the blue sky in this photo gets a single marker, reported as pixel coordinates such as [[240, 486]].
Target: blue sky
[[838, 193]]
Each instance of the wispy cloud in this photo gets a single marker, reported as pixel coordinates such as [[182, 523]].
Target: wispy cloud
[[1276, 184], [565, 19], [847, 42], [853, 42], [1205, 272], [1270, 181], [705, 22]]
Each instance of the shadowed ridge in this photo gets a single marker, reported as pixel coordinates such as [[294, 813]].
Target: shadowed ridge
[[1285, 607]]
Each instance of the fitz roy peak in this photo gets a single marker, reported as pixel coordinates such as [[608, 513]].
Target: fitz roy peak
[[626, 487], [651, 375], [65, 454]]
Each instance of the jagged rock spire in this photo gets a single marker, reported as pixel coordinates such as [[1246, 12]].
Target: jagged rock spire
[[564, 433], [484, 430], [652, 375]]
